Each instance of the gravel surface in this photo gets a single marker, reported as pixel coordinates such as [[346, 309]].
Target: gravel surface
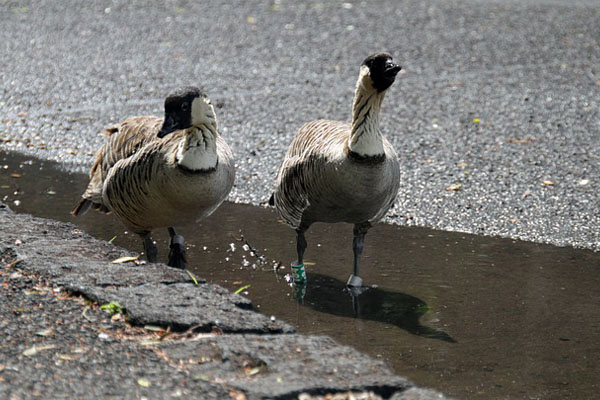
[[498, 100]]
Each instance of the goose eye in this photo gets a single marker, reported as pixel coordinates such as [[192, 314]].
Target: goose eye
[[185, 106]]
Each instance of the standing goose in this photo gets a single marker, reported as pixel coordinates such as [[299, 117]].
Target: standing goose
[[154, 172], [342, 172]]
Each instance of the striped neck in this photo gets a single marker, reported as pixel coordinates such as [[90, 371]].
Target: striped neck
[[365, 137], [198, 149]]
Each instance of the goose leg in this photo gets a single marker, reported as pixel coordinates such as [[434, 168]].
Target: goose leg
[[300, 245], [298, 271], [177, 250], [150, 249], [360, 230]]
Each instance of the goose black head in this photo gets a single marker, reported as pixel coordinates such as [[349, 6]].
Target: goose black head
[[382, 70], [184, 108]]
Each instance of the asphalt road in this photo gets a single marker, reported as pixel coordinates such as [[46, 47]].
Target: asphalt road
[[499, 99]]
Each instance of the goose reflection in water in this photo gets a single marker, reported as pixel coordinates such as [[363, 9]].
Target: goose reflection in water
[[328, 295]]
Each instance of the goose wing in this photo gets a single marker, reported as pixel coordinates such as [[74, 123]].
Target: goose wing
[[299, 179], [123, 140]]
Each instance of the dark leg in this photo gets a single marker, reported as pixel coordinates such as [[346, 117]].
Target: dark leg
[[360, 230], [298, 270], [300, 245], [150, 248], [177, 250]]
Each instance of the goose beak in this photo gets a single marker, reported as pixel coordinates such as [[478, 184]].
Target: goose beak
[[392, 69], [168, 126]]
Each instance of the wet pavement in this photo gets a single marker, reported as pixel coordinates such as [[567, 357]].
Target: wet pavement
[[473, 317]]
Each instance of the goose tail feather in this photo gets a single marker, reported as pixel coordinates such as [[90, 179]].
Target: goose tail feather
[[82, 207]]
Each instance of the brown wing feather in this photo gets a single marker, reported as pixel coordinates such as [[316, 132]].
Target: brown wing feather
[[123, 140], [314, 144]]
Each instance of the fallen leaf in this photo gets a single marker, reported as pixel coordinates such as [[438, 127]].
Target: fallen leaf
[[150, 343], [33, 350], [80, 350], [240, 290], [253, 371], [22, 113], [143, 382], [520, 141], [112, 308], [193, 277], [462, 165], [15, 175], [122, 260], [153, 328], [45, 332], [454, 186], [66, 357], [235, 395], [548, 183]]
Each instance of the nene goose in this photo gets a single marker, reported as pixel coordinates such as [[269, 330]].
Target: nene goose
[[154, 172], [342, 172]]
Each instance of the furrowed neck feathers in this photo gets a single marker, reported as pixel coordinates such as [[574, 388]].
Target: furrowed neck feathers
[[365, 136], [198, 148]]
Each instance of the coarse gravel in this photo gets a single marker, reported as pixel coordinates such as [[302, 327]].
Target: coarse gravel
[[498, 99]]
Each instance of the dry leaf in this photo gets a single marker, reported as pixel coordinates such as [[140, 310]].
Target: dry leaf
[[252, 371], [462, 165], [80, 350], [548, 183], [454, 186], [45, 332], [520, 141], [122, 260], [66, 357], [153, 328], [15, 175], [33, 350], [150, 343], [143, 382]]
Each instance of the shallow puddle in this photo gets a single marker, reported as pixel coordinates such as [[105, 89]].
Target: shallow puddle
[[473, 317]]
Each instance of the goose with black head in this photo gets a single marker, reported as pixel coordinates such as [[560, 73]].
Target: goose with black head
[[160, 172], [338, 171]]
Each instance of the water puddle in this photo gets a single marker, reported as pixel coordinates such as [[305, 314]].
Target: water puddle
[[471, 316]]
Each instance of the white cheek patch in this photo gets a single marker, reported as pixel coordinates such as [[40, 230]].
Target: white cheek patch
[[202, 112]]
